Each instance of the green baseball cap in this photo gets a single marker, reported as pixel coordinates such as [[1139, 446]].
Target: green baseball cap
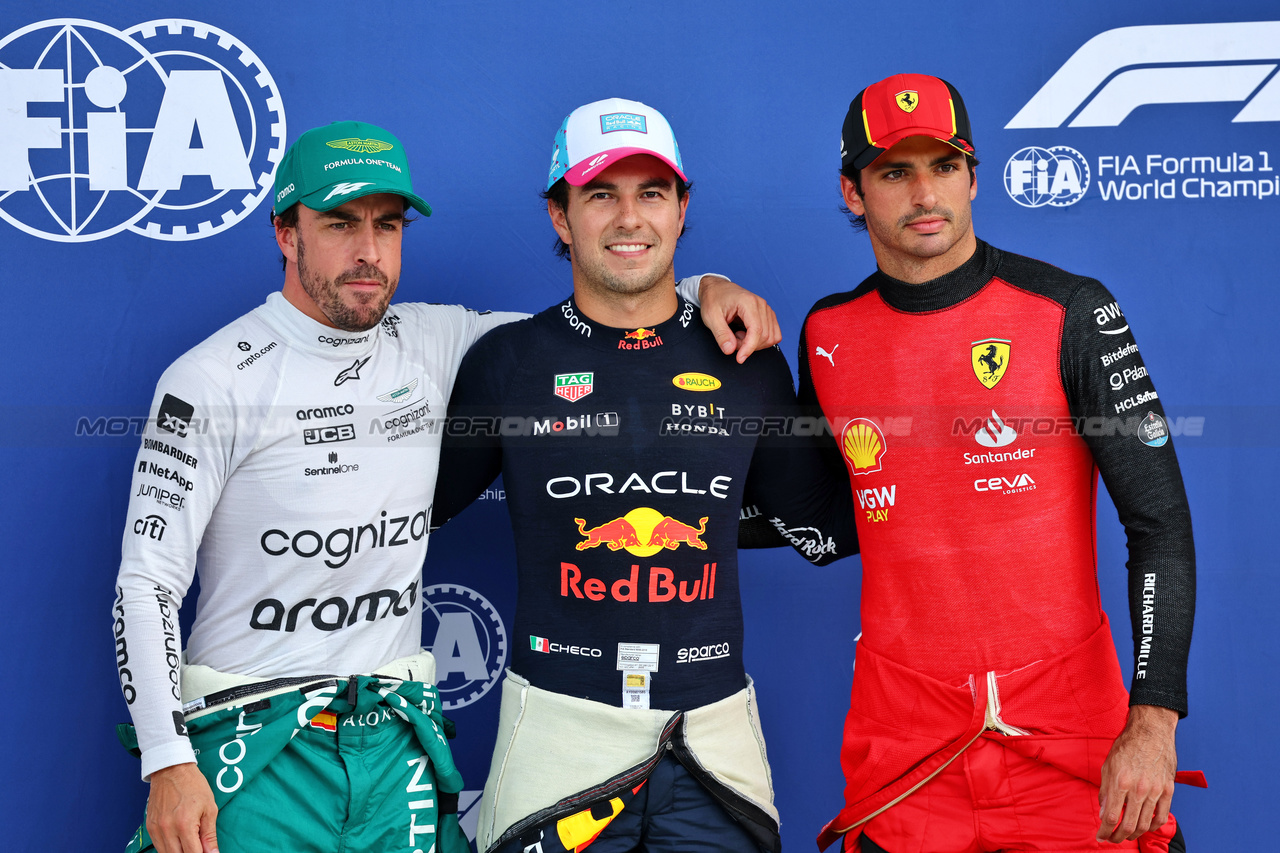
[[331, 165]]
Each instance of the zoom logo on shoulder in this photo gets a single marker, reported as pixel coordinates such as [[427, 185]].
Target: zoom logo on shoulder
[[170, 129]]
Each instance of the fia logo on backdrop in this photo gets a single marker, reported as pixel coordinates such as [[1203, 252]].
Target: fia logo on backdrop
[[171, 129]]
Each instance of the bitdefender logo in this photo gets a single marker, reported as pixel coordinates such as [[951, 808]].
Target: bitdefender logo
[[1119, 70], [170, 129]]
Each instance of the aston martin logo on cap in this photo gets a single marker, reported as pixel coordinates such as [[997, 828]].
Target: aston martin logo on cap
[[361, 146], [907, 100]]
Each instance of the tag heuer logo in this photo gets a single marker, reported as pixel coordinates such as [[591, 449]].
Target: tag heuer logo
[[907, 101], [990, 360], [573, 386]]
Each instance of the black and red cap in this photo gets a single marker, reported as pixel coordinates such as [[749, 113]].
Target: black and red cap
[[885, 113]]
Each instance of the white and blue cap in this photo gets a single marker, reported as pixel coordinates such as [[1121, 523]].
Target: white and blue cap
[[595, 136]]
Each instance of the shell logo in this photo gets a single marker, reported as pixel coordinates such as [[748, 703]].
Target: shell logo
[[863, 446]]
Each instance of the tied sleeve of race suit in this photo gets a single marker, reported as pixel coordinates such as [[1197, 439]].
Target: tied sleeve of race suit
[[178, 476], [471, 449], [800, 488], [1118, 411]]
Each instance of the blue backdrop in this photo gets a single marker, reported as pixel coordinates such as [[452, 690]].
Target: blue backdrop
[[1134, 142]]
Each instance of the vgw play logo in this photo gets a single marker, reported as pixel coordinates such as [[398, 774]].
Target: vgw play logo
[[1117, 71], [170, 129]]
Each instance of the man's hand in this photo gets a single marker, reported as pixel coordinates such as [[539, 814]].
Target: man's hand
[[181, 812], [1137, 777], [723, 302]]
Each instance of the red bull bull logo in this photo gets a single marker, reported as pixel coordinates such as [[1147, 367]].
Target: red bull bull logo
[[640, 334], [643, 531]]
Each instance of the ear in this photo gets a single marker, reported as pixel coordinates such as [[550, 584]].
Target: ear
[[560, 222], [684, 208], [973, 185], [287, 240], [851, 198]]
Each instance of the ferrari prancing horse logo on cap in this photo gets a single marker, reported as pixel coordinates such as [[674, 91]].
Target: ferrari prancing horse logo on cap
[[990, 360], [907, 100]]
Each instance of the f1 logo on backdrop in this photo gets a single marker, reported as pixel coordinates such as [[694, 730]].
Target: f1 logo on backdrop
[[171, 129], [1182, 64]]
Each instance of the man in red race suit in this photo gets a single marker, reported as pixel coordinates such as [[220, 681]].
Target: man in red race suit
[[975, 396]]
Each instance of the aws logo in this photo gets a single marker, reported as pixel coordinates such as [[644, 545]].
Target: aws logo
[[1119, 70], [643, 532], [170, 129], [863, 445]]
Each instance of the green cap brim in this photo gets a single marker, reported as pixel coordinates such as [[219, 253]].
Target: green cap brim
[[326, 198]]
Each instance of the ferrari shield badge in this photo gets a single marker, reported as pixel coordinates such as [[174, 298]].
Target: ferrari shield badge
[[990, 360]]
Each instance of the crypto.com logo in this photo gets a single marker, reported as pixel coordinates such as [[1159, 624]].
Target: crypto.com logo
[[1185, 63], [171, 129]]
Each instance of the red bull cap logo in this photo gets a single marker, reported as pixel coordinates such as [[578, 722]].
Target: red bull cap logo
[[643, 531]]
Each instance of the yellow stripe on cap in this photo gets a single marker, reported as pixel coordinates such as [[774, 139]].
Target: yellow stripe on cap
[[952, 104], [866, 128]]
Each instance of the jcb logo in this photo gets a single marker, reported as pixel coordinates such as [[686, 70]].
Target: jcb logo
[[170, 129]]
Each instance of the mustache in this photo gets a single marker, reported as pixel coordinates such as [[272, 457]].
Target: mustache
[[944, 212], [365, 272]]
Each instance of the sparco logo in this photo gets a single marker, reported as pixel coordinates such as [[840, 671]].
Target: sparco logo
[[469, 645], [340, 544], [693, 654], [324, 412], [1161, 64], [98, 130]]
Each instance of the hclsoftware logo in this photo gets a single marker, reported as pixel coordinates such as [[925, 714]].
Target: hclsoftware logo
[[1119, 70], [170, 129]]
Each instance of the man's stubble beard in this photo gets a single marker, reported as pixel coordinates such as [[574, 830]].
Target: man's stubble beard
[[327, 295]]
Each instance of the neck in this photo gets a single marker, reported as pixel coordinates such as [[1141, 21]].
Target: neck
[[914, 270], [627, 311]]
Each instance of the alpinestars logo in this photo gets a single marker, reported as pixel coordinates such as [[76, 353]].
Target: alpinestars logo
[[352, 372], [170, 129], [1119, 70]]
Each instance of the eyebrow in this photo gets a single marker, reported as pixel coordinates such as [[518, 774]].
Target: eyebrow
[[945, 158], [652, 183], [344, 216]]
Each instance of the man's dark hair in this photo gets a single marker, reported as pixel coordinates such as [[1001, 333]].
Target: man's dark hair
[[289, 219], [859, 223], [558, 194]]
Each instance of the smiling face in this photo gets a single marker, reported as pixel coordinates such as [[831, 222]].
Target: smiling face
[[917, 199], [622, 229], [344, 264]]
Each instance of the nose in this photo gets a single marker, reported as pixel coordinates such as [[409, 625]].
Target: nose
[[924, 190], [628, 214], [367, 247]]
